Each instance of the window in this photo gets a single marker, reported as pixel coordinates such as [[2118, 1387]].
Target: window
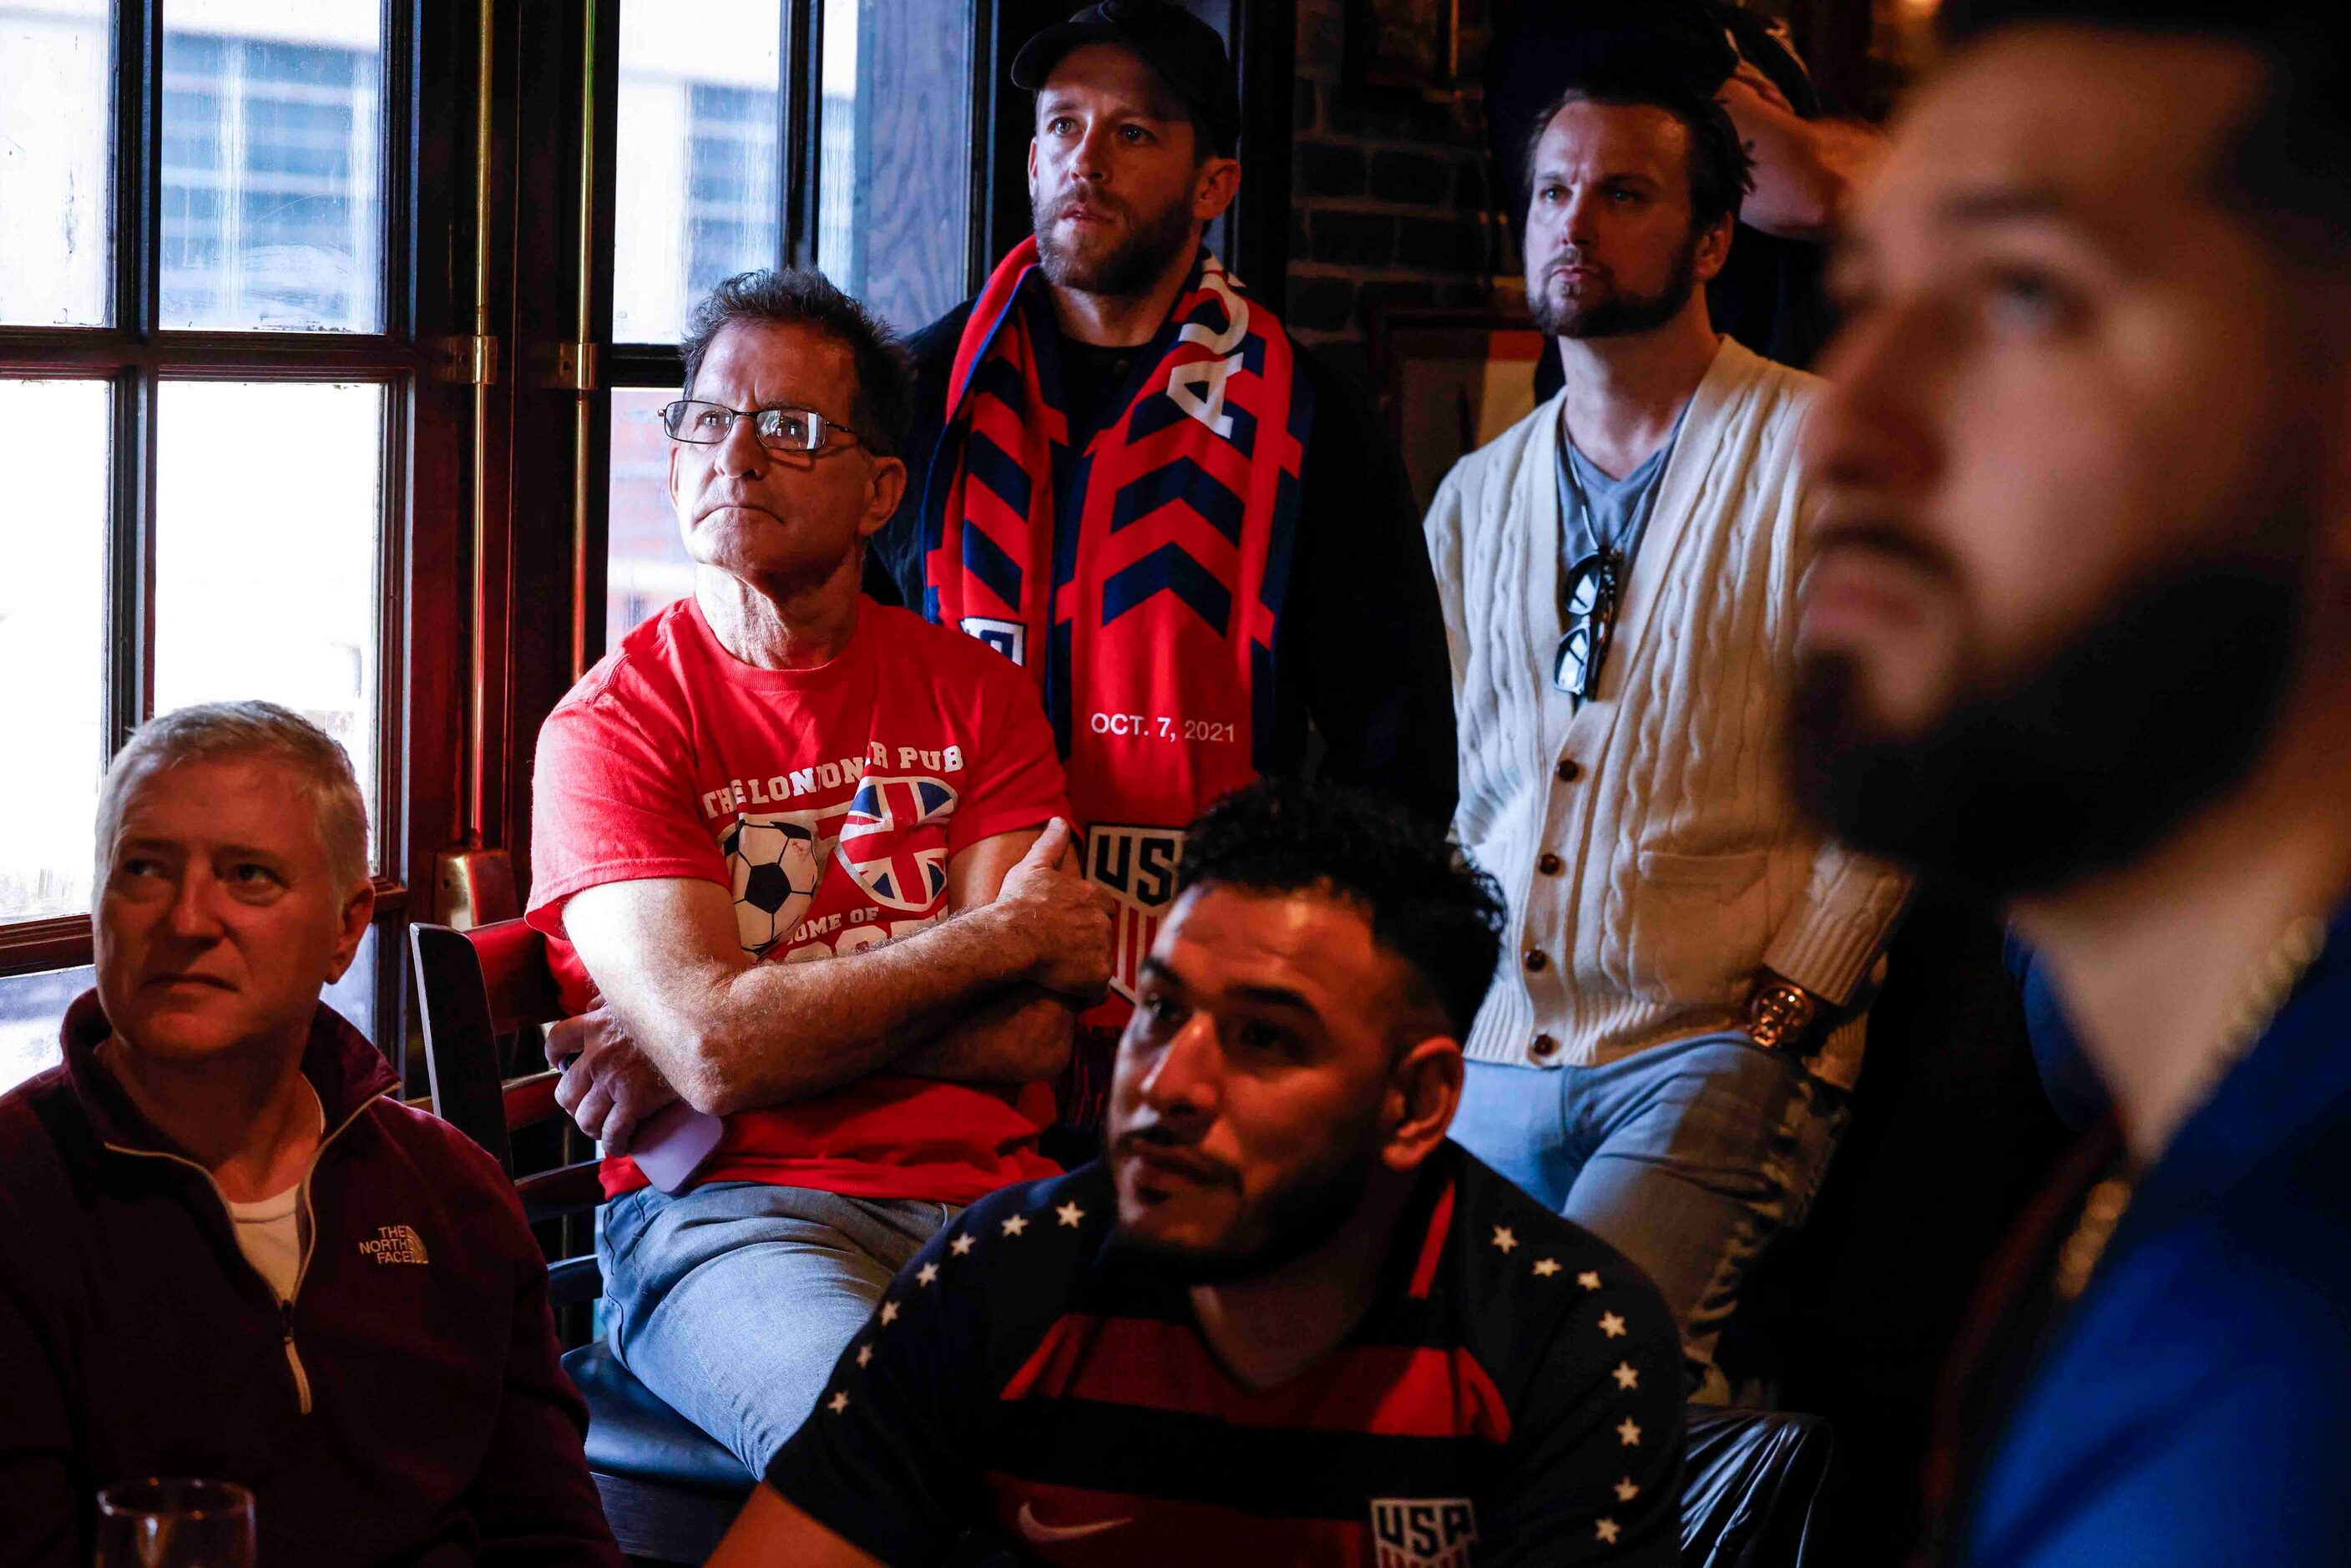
[[706, 190], [270, 215], [295, 387], [209, 432]]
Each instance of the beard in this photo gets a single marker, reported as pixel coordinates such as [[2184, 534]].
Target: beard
[[1129, 263], [1290, 1220], [2082, 765], [1615, 313]]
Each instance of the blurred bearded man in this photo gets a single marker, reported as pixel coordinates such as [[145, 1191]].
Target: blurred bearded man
[[2080, 632], [1128, 478], [1286, 1320], [1666, 1052]]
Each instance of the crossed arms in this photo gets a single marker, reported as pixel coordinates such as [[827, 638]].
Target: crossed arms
[[988, 995]]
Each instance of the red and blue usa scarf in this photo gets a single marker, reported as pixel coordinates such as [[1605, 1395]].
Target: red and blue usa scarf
[[1136, 571]]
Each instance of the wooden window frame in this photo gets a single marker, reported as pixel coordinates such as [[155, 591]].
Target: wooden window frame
[[420, 456]]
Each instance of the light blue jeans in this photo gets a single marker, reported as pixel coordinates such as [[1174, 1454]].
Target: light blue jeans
[[1689, 1159], [733, 1301]]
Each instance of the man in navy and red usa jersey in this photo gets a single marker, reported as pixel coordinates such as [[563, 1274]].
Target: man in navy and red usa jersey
[[1285, 1321]]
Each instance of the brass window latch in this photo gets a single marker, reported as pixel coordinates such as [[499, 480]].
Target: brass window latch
[[470, 361]]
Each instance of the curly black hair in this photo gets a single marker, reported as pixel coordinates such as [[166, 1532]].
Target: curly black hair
[[1428, 905]]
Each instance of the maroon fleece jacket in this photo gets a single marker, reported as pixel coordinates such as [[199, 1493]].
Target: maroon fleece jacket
[[407, 1408]]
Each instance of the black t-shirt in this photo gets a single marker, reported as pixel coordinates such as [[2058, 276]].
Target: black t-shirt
[[1360, 651], [1512, 1396]]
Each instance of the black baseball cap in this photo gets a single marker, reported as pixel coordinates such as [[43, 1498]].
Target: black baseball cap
[[1184, 50]]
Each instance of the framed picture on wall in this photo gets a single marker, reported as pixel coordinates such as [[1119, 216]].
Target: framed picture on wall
[[1450, 381], [1409, 49]]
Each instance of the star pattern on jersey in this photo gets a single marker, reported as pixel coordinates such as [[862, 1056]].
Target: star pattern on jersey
[[961, 1245], [1608, 1529], [1070, 1214], [1589, 1279], [889, 1313], [865, 1355], [1503, 1239], [1628, 1432], [1546, 1267], [1625, 1376], [1626, 1491], [1015, 1224], [927, 1273], [838, 1401], [1612, 1325]]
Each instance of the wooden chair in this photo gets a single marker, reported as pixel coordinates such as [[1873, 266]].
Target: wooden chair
[[669, 1490]]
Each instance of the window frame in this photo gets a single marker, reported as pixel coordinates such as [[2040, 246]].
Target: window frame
[[419, 459]]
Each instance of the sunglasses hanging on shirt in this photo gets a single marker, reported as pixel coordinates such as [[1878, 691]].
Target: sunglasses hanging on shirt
[[1588, 611]]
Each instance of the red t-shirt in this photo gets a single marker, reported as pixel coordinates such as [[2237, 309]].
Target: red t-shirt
[[828, 802]]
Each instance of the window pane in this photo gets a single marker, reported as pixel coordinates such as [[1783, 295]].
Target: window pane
[[701, 186], [353, 996], [268, 588], [32, 1010], [894, 201], [53, 447], [645, 565], [272, 120], [56, 209]]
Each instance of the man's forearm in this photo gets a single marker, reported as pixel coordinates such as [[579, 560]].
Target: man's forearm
[[1022, 1035], [773, 1034], [1805, 169]]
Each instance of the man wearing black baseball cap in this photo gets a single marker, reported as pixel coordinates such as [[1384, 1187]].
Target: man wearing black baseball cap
[[1128, 478]]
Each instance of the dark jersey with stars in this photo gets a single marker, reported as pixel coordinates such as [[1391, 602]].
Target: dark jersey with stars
[[1513, 1396]]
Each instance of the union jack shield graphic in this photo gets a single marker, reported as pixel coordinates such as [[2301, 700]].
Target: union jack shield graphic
[[1137, 866], [894, 839]]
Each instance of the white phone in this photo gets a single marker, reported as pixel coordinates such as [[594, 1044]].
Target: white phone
[[674, 1143]]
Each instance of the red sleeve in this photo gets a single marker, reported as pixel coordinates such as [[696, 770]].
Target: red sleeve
[[1016, 782], [609, 805]]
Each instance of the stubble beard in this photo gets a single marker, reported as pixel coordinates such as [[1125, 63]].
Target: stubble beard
[[1129, 266], [2082, 765], [1291, 1221], [1616, 314]]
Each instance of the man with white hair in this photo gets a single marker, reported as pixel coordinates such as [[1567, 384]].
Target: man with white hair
[[226, 1249]]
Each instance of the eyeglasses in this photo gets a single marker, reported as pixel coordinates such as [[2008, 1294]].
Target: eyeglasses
[[1589, 608], [790, 431]]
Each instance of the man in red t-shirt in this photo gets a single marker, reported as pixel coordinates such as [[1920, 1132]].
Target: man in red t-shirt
[[801, 861]]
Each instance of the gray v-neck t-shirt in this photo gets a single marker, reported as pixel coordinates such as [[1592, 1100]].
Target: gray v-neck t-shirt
[[1596, 512]]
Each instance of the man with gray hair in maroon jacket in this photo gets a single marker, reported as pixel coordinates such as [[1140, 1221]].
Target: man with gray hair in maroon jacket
[[226, 1249]]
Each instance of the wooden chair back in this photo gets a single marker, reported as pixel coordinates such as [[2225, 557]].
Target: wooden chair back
[[477, 992]]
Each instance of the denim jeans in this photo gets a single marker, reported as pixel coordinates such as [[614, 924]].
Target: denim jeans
[[733, 1301], [1687, 1157]]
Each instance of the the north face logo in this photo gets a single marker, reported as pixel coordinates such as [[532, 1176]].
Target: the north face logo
[[395, 1244], [1423, 1532]]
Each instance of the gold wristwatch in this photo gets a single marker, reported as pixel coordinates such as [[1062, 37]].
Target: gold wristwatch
[[1781, 1014]]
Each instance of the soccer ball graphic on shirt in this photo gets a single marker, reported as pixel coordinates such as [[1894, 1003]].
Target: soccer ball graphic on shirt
[[773, 863]]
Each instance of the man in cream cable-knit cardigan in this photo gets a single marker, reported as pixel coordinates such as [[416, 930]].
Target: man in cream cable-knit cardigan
[[1666, 1052]]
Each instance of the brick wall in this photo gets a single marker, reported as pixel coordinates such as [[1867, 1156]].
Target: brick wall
[[1388, 198]]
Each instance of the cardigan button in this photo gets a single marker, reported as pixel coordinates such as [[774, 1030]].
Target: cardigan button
[[1550, 865], [1536, 961], [1569, 771], [1544, 1048]]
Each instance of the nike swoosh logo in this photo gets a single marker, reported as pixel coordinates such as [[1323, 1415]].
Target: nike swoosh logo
[[1043, 1534]]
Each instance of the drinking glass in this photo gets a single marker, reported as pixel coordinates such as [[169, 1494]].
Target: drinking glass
[[174, 1521]]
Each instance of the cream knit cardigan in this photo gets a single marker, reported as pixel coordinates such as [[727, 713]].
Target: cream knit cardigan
[[1686, 866]]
